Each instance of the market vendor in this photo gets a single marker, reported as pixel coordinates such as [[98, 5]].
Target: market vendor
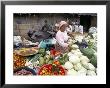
[[31, 32], [46, 27], [62, 37], [56, 26]]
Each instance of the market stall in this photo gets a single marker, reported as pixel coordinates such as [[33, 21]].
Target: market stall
[[42, 58]]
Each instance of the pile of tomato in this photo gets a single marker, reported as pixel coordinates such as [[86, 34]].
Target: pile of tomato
[[52, 69]]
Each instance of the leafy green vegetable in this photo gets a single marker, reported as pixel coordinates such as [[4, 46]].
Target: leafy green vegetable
[[93, 60], [63, 59], [42, 51], [34, 58], [47, 60], [41, 61], [89, 52], [94, 47], [50, 62]]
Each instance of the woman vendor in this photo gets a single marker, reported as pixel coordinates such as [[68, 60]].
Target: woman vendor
[[62, 37]]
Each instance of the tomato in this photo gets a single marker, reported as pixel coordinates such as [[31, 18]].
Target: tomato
[[56, 62]]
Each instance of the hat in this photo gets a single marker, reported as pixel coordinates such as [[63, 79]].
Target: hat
[[62, 23]]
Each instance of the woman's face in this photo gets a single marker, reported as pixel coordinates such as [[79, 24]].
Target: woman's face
[[63, 27]]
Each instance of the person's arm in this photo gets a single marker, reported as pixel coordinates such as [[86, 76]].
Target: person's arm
[[61, 42]]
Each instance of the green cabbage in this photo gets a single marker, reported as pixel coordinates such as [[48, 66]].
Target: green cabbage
[[89, 52], [93, 60]]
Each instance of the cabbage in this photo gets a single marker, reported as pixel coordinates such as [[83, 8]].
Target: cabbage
[[74, 46], [73, 51], [93, 60], [78, 50], [82, 71], [72, 72], [91, 73], [70, 54], [78, 66], [78, 54], [74, 59], [91, 67], [87, 52], [84, 58], [68, 65], [84, 64], [88, 66]]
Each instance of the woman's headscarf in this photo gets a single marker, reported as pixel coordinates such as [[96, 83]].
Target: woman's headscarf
[[62, 23]]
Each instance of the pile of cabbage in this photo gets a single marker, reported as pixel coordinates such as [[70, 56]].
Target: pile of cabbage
[[79, 64], [82, 62]]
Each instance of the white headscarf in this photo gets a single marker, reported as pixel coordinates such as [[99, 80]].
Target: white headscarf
[[62, 23]]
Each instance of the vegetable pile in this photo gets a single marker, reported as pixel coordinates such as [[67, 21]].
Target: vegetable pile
[[51, 69], [81, 60]]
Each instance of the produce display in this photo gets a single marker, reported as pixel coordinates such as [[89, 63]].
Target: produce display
[[81, 60]]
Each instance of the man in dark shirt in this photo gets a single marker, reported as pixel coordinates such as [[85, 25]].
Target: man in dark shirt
[[31, 32], [46, 26]]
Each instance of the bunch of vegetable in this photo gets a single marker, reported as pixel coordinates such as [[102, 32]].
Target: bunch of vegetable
[[63, 58], [42, 51]]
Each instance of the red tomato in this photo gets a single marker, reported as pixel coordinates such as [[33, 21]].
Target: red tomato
[[56, 62]]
